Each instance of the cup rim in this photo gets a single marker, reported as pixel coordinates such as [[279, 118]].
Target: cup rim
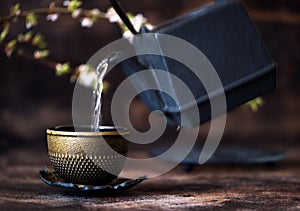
[[68, 130]]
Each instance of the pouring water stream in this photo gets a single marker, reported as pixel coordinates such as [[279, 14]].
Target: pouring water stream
[[97, 93]]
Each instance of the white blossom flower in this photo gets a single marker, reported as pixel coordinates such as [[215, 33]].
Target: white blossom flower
[[127, 34], [95, 12], [28, 25], [18, 12], [112, 16], [66, 3], [76, 13], [87, 76], [138, 21], [52, 17], [87, 22], [149, 26], [8, 53]]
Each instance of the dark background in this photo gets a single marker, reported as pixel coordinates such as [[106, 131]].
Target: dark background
[[32, 98]]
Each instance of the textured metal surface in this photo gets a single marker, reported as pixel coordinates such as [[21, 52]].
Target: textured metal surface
[[225, 34], [81, 159]]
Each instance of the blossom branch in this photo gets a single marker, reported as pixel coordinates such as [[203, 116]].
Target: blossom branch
[[46, 62], [46, 11]]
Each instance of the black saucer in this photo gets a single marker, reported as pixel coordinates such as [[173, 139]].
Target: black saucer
[[49, 176]]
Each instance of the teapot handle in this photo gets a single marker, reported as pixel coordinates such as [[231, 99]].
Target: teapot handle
[[122, 14]]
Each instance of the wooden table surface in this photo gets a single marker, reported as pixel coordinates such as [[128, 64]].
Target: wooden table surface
[[223, 187]]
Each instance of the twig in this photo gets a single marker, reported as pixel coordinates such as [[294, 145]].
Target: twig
[[60, 10], [46, 62]]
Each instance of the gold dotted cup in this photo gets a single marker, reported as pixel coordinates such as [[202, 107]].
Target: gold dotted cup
[[85, 157]]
